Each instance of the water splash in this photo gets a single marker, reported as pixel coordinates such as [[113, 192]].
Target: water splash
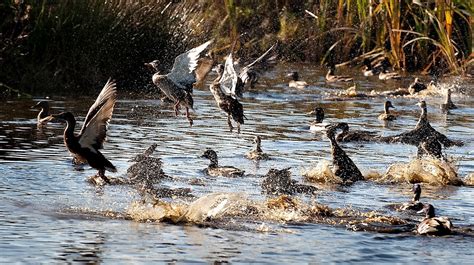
[[321, 173]]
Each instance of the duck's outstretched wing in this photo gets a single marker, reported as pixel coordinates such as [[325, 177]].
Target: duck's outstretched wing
[[182, 73], [229, 77], [265, 60], [94, 129]]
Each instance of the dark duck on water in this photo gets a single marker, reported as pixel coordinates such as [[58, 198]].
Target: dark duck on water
[[332, 77], [356, 135], [343, 166], [448, 104], [257, 153], [415, 204], [177, 85], [387, 116], [422, 130], [432, 225], [43, 115], [223, 90], [86, 145], [215, 170]]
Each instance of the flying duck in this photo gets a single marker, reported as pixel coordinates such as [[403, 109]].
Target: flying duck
[[295, 81], [343, 166], [257, 153], [177, 85], [415, 204], [43, 115], [448, 104], [215, 170], [331, 77], [223, 90], [432, 225], [387, 116], [86, 145]]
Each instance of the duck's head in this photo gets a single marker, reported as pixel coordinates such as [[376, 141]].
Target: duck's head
[[64, 116], [422, 104], [153, 65], [417, 191], [388, 104], [449, 92], [429, 211], [319, 112], [257, 140], [294, 76], [209, 154], [42, 104], [331, 129]]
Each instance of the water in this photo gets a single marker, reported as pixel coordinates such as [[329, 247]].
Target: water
[[49, 213]]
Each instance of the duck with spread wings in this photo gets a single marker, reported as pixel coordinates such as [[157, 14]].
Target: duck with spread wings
[[177, 85], [85, 146], [223, 88]]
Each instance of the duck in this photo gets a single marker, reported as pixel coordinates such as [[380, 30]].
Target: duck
[[295, 81], [387, 116], [343, 166], [318, 124], [279, 181], [415, 204], [448, 104], [385, 74], [249, 74], [416, 86], [432, 225], [331, 77], [370, 70], [355, 135], [214, 170], [223, 90], [257, 153], [146, 169], [43, 116], [85, 146], [422, 130], [177, 85]]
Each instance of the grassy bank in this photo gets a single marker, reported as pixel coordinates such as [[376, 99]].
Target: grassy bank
[[75, 45]]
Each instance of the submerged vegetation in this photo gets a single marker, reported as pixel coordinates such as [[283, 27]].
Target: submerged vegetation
[[59, 46]]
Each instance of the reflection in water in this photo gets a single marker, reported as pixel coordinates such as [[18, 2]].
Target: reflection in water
[[58, 216]]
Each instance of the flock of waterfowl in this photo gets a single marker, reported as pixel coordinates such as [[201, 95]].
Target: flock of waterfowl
[[229, 85]]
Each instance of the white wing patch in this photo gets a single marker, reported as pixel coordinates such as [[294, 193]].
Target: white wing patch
[[94, 130], [229, 77], [184, 65]]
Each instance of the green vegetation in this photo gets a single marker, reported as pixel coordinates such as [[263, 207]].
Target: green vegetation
[[60, 46]]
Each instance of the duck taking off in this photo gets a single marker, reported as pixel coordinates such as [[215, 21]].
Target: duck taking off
[[177, 85], [86, 145], [387, 116], [343, 166], [223, 88]]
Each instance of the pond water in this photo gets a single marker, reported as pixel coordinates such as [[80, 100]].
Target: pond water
[[50, 213]]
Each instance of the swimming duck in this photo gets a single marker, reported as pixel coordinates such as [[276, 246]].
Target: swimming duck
[[177, 85], [422, 130], [432, 225], [343, 166], [43, 115], [331, 77], [86, 145], [295, 82], [215, 170], [223, 90], [370, 70], [448, 104], [279, 182], [415, 204], [257, 153], [416, 86], [318, 124], [355, 135], [386, 116], [386, 75]]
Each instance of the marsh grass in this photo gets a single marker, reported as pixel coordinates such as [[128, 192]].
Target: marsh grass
[[60, 46]]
